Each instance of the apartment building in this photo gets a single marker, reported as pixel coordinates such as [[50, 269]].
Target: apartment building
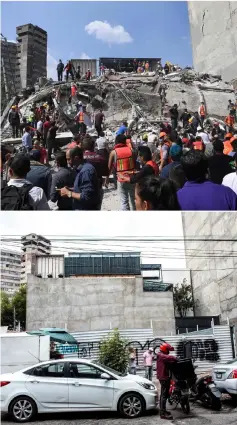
[[10, 271]]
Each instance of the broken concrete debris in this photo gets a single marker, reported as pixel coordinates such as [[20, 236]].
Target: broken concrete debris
[[122, 96]]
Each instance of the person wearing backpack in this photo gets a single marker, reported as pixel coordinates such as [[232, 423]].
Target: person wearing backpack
[[20, 194], [14, 120]]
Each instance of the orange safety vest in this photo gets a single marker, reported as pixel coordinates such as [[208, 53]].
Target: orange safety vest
[[124, 160], [202, 110], [81, 117], [227, 147], [73, 91], [169, 144], [230, 120], [154, 166], [198, 146]]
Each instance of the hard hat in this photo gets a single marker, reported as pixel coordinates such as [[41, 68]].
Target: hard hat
[[228, 135], [199, 128], [166, 348], [144, 137], [14, 107], [163, 134]]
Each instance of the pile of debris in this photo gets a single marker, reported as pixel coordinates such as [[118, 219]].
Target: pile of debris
[[124, 95]]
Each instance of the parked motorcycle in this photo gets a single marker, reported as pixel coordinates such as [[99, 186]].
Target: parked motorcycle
[[179, 393], [205, 390]]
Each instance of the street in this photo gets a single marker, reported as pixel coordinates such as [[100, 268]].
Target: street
[[197, 416]]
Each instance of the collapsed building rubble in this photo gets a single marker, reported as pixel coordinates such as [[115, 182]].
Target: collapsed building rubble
[[125, 95]]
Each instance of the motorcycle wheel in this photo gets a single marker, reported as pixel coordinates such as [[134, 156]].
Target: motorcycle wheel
[[185, 406], [215, 403]]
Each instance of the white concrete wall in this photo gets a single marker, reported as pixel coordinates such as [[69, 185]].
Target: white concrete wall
[[214, 280], [214, 37], [97, 303]]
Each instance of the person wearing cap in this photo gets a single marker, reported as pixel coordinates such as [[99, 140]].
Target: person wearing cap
[[175, 154], [148, 363], [230, 180], [163, 372], [219, 164], [14, 120], [79, 106]]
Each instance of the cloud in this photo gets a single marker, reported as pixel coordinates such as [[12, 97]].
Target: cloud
[[84, 56], [105, 32], [51, 66]]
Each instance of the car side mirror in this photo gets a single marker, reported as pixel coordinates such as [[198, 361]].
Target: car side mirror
[[105, 376]]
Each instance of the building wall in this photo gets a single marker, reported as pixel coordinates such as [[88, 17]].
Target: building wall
[[85, 64], [10, 271], [96, 303], [213, 264], [10, 73], [214, 37]]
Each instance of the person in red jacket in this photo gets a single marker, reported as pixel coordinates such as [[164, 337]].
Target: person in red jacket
[[164, 375]]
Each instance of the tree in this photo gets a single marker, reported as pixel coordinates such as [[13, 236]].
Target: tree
[[183, 298], [19, 302], [113, 352], [6, 310]]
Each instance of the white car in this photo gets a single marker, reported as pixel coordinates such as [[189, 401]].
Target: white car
[[225, 377], [74, 385]]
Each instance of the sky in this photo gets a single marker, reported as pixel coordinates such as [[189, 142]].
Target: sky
[[104, 225], [105, 29]]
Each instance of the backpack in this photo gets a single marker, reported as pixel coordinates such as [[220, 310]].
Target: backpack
[[16, 198]]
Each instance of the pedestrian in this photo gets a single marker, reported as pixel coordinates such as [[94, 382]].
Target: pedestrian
[[185, 117], [148, 363], [77, 141], [69, 70], [80, 119], [174, 114], [155, 194], [163, 373], [88, 75], [39, 128], [20, 194], [78, 73], [132, 361], [14, 120], [99, 120], [27, 140], [230, 180], [149, 167], [164, 150], [46, 126], [199, 194], [40, 175], [60, 68], [64, 177], [219, 164], [51, 140], [175, 154], [203, 135], [195, 123], [124, 160], [202, 113], [152, 141], [86, 192], [43, 152], [23, 125], [123, 129], [166, 68]]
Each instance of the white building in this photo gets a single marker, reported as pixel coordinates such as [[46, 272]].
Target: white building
[[10, 271], [32, 244]]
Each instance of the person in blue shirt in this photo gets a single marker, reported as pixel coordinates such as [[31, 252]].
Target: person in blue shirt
[[175, 154], [123, 129], [27, 140], [85, 193]]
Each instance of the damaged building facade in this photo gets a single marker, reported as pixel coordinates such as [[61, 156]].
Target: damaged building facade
[[213, 27]]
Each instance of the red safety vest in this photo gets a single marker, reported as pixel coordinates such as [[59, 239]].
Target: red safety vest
[[198, 146], [73, 91], [230, 120], [154, 166], [124, 160]]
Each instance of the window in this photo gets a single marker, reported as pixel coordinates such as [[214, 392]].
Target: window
[[54, 370], [80, 370]]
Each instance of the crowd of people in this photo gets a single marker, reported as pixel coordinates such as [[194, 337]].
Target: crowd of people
[[70, 71], [189, 164]]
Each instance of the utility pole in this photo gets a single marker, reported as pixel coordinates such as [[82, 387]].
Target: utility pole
[[14, 318]]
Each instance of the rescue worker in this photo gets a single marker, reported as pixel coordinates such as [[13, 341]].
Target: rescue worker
[[60, 68], [73, 90], [229, 121], [14, 120], [88, 75], [228, 147], [149, 167], [202, 113], [163, 362], [69, 70], [80, 121], [165, 148], [124, 160]]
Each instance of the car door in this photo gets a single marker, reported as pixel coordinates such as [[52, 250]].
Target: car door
[[86, 388], [49, 385]]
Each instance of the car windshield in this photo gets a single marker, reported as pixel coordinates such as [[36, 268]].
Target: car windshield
[[109, 369], [232, 361]]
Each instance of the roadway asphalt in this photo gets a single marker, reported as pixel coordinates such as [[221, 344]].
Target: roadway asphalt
[[197, 416]]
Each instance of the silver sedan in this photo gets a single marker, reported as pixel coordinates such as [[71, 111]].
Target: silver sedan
[[225, 377]]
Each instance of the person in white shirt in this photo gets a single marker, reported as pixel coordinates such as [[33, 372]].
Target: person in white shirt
[[203, 135], [152, 140], [19, 166], [230, 180]]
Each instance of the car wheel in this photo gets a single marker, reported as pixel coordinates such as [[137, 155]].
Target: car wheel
[[131, 405], [22, 409]]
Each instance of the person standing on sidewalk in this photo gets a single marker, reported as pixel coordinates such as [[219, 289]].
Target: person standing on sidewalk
[[124, 159], [132, 361], [164, 375], [148, 363]]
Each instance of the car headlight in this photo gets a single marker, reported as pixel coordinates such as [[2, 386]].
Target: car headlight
[[147, 386]]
